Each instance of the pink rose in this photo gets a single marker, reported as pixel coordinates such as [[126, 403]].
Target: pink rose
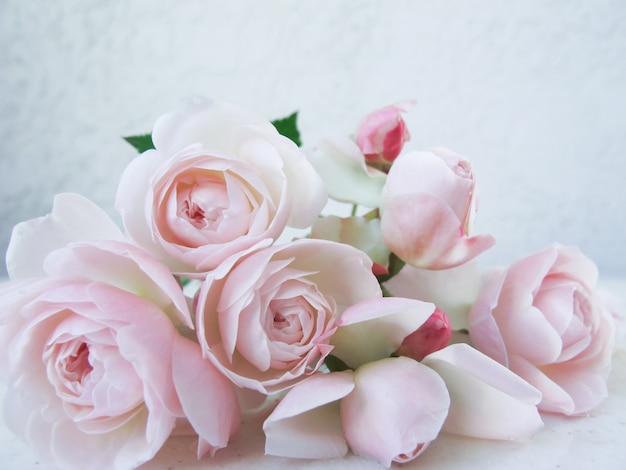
[[382, 133], [220, 180], [428, 207], [97, 372], [543, 320], [266, 318]]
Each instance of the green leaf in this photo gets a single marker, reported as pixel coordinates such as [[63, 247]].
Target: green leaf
[[289, 128], [140, 142], [335, 364], [395, 265]]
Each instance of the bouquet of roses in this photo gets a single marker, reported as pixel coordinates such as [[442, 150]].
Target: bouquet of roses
[[371, 333]]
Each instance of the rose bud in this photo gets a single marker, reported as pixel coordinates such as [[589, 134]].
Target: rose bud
[[382, 133], [432, 336]]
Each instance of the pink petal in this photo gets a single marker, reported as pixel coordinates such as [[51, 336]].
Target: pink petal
[[427, 172], [306, 423], [487, 400], [424, 231], [207, 397], [572, 260], [73, 218], [125, 266], [554, 398], [484, 331], [396, 407], [525, 330]]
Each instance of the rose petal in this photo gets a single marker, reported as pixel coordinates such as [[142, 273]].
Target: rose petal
[[207, 397], [486, 399], [73, 218], [424, 231], [306, 423], [396, 407]]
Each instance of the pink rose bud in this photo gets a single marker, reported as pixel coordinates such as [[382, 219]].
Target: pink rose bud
[[432, 336], [382, 133]]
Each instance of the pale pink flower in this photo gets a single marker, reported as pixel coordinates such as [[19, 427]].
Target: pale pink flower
[[97, 372], [89, 329], [406, 405], [381, 134], [265, 318], [543, 319], [428, 208], [220, 180]]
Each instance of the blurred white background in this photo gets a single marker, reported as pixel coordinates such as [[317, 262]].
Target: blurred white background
[[534, 92]]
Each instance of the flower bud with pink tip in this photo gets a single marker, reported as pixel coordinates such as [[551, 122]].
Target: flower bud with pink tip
[[432, 336], [382, 133]]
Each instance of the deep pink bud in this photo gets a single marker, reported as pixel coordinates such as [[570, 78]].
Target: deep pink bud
[[432, 336], [382, 133]]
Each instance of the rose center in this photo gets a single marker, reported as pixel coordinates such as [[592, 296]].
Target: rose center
[[199, 217], [77, 366], [287, 315]]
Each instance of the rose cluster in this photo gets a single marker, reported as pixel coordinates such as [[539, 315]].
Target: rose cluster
[[372, 334]]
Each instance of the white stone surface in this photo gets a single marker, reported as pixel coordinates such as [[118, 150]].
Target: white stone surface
[[533, 92]]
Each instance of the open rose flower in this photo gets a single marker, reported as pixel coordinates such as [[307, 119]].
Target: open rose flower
[[543, 319], [428, 208], [98, 372], [220, 180], [266, 318], [382, 133]]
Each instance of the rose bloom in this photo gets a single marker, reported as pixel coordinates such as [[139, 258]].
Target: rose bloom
[[96, 368], [220, 180], [266, 318], [543, 319], [428, 208], [382, 133]]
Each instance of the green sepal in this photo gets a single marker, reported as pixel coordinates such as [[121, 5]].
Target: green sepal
[[335, 364], [395, 265], [140, 142], [288, 127]]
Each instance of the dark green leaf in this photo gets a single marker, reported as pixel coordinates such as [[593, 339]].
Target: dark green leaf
[[335, 364], [289, 128], [140, 142]]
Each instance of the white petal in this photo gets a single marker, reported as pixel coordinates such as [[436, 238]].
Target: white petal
[[486, 399], [306, 423]]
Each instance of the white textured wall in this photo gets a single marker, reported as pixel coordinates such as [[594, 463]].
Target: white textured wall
[[533, 91]]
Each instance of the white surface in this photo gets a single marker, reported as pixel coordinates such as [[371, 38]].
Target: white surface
[[584, 443], [533, 92]]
